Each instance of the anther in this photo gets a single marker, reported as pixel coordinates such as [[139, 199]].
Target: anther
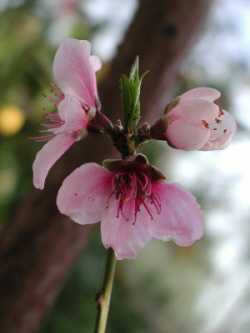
[[205, 123], [221, 113]]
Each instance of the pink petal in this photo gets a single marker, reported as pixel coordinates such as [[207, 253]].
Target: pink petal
[[221, 133], [84, 193], [187, 136], [125, 238], [209, 94], [74, 72], [95, 63], [71, 111], [195, 111], [181, 219], [48, 155]]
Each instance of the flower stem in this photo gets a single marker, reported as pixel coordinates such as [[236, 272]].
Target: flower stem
[[103, 296]]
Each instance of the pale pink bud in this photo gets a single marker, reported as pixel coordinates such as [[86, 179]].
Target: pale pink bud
[[197, 123]]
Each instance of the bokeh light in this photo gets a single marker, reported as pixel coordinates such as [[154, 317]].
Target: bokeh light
[[12, 119]]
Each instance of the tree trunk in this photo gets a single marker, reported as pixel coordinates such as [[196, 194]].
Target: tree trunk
[[38, 247]]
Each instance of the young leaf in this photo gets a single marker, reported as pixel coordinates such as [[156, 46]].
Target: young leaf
[[127, 99], [130, 88]]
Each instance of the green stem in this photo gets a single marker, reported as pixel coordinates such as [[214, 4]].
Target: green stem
[[103, 296]]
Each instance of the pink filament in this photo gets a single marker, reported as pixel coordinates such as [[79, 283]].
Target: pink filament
[[137, 187], [53, 117]]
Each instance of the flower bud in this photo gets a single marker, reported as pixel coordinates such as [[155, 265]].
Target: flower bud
[[197, 122]]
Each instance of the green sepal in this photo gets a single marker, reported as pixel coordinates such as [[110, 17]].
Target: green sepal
[[172, 105]]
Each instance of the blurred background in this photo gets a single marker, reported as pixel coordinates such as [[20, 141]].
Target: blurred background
[[203, 288]]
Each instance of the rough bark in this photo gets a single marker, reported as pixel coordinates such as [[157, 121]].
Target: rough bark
[[38, 247]]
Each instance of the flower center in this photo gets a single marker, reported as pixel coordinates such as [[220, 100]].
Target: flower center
[[137, 187]]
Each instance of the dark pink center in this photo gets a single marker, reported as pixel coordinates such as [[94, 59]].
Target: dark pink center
[[137, 187]]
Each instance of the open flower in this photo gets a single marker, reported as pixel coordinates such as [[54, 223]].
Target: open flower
[[76, 101], [133, 202], [197, 123]]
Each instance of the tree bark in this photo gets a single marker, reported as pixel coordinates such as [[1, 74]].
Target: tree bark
[[38, 247]]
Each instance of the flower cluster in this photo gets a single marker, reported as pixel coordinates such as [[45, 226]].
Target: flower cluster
[[132, 199]]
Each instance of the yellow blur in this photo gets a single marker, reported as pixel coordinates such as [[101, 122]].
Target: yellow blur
[[11, 120]]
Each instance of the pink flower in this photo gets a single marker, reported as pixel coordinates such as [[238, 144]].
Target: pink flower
[[76, 92], [197, 123], [133, 202]]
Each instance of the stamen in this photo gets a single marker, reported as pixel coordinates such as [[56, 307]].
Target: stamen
[[129, 185], [54, 118], [221, 113], [52, 125], [118, 210], [61, 96], [146, 181], [109, 198], [147, 209], [156, 204], [205, 123], [53, 100], [124, 216], [157, 199], [55, 86], [43, 138], [218, 121]]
